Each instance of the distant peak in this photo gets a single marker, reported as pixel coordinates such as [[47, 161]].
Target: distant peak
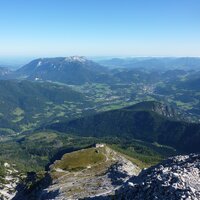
[[76, 58]]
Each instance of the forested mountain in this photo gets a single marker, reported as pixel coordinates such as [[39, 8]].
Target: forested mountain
[[70, 70], [190, 84], [144, 121], [105, 88], [25, 104]]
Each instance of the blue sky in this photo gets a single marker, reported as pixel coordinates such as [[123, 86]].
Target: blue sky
[[99, 27]]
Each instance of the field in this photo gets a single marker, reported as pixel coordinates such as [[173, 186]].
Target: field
[[80, 159]]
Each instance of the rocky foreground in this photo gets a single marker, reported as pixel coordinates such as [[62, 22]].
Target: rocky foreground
[[174, 179], [8, 182], [100, 179], [109, 175], [177, 178]]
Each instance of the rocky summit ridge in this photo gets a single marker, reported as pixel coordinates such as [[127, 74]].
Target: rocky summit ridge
[[177, 178], [8, 181]]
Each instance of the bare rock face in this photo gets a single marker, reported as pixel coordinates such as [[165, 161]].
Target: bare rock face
[[174, 179], [98, 179], [8, 182]]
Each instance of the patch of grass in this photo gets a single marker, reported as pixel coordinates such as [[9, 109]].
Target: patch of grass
[[18, 112], [18, 119], [2, 170], [49, 103], [48, 114], [80, 159], [59, 107], [36, 116], [43, 136], [6, 131], [60, 114], [28, 126]]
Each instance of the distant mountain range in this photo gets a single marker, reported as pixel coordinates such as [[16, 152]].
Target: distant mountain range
[[164, 63], [54, 106], [37, 88], [148, 121], [79, 70]]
